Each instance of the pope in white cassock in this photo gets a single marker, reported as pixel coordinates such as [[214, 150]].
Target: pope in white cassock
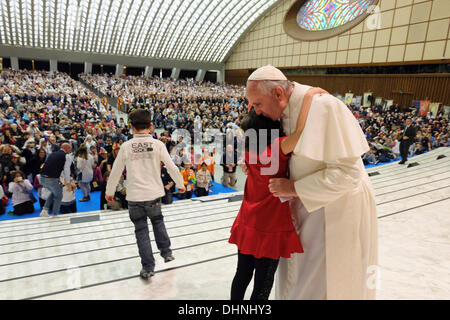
[[332, 199]]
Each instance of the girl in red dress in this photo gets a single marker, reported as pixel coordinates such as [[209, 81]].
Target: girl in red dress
[[263, 229]]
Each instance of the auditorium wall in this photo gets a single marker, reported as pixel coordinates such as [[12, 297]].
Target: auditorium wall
[[411, 32]]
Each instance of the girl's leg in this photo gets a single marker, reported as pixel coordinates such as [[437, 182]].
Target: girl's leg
[[84, 189], [264, 276], [243, 276], [88, 189]]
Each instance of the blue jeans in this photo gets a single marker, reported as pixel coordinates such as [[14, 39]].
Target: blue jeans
[[139, 211], [85, 188], [55, 197]]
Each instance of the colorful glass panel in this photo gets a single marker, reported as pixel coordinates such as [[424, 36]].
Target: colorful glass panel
[[319, 15]]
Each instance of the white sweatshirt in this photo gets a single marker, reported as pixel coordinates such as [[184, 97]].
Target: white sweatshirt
[[142, 158]]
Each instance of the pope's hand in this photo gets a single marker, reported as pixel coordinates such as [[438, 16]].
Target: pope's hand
[[109, 198], [281, 187]]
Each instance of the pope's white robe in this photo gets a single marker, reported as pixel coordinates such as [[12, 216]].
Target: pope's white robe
[[336, 216]]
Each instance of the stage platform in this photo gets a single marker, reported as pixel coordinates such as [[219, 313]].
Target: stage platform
[[94, 255]]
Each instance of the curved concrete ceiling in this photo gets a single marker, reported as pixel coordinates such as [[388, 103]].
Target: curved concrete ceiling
[[188, 30]]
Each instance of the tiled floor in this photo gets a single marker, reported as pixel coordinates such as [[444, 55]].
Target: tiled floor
[[53, 259]]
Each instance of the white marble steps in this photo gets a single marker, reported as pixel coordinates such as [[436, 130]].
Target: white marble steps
[[71, 243], [66, 217], [398, 279], [423, 158], [121, 264], [36, 254], [51, 224], [414, 255], [93, 231]]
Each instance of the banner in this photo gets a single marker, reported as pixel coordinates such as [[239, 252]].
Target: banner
[[348, 98], [366, 100], [389, 103], [416, 104], [379, 101], [446, 110], [358, 100], [434, 108], [424, 107]]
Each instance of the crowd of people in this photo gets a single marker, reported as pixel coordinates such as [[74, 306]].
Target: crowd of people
[[385, 129], [40, 110], [176, 104]]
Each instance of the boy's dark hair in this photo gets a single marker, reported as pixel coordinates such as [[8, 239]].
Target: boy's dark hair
[[257, 122], [140, 119]]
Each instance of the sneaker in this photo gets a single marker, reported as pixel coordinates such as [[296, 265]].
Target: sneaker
[[44, 213], [146, 274], [169, 258]]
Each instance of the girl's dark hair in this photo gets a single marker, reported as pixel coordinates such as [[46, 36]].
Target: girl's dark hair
[[258, 122]]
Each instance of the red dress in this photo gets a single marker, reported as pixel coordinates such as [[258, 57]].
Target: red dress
[[263, 226]]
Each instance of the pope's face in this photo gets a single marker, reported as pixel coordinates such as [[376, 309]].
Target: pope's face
[[269, 105]]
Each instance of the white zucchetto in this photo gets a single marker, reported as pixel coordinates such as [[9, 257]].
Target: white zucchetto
[[267, 73]]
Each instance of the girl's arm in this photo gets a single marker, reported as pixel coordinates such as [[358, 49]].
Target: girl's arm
[[288, 144]]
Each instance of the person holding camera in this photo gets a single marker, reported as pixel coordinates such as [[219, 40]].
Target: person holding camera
[[142, 156], [21, 198]]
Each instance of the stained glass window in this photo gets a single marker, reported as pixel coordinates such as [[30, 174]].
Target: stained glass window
[[319, 15]]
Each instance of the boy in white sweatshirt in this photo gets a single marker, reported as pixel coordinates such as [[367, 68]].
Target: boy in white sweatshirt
[[142, 157]]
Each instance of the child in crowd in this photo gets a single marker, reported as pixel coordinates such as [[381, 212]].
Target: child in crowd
[[96, 184], [206, 158], [189, 181], [203, 178], [68, 202]]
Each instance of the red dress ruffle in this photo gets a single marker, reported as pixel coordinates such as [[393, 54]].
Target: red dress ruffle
[[263, 226]]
